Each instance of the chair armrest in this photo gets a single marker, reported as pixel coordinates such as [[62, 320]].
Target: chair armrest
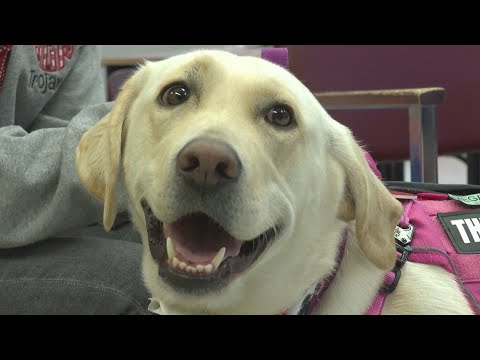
[[381, 99], [422, 106]]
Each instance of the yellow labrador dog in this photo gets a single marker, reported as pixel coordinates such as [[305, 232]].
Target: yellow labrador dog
[[242, 186]]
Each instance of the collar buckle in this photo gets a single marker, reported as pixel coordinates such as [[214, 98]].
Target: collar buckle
[[403, 238]]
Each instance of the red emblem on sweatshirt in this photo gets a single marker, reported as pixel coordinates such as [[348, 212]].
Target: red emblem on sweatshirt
[[4, 54], [52, 57]]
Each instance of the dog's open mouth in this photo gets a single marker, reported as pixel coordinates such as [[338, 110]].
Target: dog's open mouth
[[196, 254]]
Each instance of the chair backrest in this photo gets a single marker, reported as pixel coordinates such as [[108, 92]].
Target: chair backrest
[[277, 55], [115, 81], [365, 67]]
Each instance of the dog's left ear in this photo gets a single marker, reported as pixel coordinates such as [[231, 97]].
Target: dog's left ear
[[98, 153], [367, 200]]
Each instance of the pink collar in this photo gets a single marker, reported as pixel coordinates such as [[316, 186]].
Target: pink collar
[[312, 296]]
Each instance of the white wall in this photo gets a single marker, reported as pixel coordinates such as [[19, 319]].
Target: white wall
[[450, 171]]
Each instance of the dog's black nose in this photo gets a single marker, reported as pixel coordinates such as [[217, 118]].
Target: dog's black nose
[[208, 163]]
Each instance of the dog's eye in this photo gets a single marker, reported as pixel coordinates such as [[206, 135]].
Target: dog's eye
[[175, 94], [280, 115]]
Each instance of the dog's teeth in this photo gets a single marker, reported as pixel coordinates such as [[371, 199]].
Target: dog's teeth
[[170, 249], [200, 268], [217, 260], [208, 268], [191, 269], [175, 262], [182, 265]]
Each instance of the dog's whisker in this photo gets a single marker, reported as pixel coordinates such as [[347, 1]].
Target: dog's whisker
[[130, 234]]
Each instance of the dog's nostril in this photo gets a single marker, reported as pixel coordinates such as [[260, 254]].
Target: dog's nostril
[[221, 169], [189, 163], [227, 169]]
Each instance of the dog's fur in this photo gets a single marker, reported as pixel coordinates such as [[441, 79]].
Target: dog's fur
[[313, 178]]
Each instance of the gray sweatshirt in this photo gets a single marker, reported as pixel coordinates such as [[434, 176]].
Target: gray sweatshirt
[[41, 120]]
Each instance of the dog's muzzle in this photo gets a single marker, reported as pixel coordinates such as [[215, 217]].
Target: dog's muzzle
[[195, 253]]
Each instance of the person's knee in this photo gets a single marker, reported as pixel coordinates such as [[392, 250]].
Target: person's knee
[[74, 276], [63, 297]]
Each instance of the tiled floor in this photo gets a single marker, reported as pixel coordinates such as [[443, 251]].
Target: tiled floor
[[450, 170]]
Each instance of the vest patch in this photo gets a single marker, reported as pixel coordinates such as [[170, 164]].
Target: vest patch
[[463, 230], [471, 200]]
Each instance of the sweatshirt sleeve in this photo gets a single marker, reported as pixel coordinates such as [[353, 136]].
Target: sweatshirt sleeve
[[40, 193]]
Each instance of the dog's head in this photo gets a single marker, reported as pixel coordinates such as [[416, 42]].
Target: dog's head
[[239, 182]]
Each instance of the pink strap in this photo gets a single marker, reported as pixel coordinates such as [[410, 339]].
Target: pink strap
[[377, 306], [433, 196], [405, 219]]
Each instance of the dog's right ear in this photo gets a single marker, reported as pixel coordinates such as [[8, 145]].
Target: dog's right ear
[[99, 152]]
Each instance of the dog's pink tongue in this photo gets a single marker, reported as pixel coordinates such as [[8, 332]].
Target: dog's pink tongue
[[197, 239]]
